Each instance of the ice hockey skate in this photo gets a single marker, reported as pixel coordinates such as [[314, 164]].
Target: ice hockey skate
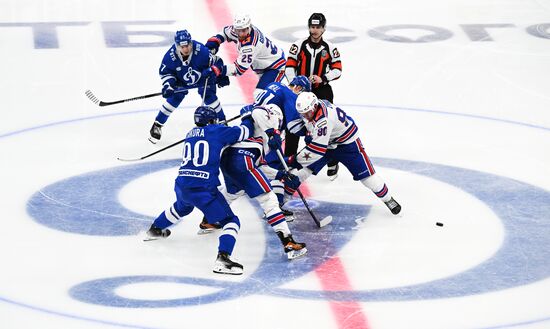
[[289, 215], [292, 248], [155, 132], [155, 233], [206, 228], [224, 265], [332, 172], [393, 206]]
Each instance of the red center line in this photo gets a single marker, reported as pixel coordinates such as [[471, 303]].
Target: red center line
[[349, 314], [331, 274]]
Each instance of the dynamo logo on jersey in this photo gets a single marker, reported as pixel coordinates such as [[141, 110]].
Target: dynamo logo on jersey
[[191, 77], [517, 262]]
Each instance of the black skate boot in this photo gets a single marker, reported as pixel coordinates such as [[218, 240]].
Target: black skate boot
[[332, 171], [289, 215], [155, 233], [156, 132], [205, 227], [224, 265], [394, 207], [292, 248]]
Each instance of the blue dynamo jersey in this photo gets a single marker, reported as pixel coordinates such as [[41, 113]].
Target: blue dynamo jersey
[[280, 95], [175, 70], [202, 150]]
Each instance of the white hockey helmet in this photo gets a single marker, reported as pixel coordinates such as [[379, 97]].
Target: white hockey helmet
[[306, 102], [276, 113], [241, 21]]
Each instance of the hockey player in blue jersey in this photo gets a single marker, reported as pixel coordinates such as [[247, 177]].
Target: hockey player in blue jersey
[[187, 64], [197, 184], [285, 98], [240, 168], [333, 135], [256, 51]]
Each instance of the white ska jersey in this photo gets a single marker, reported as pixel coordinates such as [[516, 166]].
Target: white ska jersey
[[265, 117], [330, 127], [256, 52]]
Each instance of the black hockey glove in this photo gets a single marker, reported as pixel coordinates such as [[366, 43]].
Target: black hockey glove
[[222, 81]]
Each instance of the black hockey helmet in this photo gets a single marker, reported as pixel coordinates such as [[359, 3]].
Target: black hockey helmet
[[317, 19]]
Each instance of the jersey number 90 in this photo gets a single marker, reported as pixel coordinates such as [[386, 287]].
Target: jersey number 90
[[198, 153]]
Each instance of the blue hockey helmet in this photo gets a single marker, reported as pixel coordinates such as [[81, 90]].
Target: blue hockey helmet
[[205, 115], [302, 81], [182, 38]]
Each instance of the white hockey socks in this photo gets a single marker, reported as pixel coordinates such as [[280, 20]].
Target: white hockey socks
[[377, 186]]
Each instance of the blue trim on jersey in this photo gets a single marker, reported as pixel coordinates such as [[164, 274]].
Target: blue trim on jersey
[[347, 135]]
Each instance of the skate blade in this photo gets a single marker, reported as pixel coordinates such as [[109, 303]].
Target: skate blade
[[333, 177], [290, 219], [231, 271], [146, 237], [153, 140], [293, 254], [203, 231]]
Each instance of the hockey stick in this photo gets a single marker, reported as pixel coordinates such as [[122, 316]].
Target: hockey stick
[[178, 142], [169, 146], [320, 223], [96, 100], [151, 154]]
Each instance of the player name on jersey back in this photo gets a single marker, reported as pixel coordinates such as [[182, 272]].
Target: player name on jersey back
[[196, 132]]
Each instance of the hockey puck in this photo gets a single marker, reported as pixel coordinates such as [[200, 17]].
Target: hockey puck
[[439, 224]]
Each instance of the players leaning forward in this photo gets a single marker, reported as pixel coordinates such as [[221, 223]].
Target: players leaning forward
[[255, 51], [333, 135], [197, 184], [240, 166], [187, 65]]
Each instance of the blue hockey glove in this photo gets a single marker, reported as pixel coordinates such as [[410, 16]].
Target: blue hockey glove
[[308, 139], [222, 81], [167, 90], [246, 112], [291, 181], [213, 45], [275, 140], [214, 71], [281, 174]]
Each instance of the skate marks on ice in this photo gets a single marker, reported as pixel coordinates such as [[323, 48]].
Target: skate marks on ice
[[517, 262]]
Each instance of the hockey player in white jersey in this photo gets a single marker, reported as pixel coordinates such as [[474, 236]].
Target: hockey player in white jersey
[[256, 51], [333, 136], [240, 168]]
